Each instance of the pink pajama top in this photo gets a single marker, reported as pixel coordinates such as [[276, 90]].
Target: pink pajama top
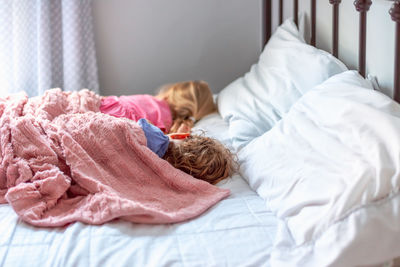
[[136, 107]]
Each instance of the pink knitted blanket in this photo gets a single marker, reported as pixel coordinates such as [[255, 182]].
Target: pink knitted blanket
[[62, 161]]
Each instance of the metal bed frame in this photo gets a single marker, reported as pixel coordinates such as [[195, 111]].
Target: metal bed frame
[[362, 6]]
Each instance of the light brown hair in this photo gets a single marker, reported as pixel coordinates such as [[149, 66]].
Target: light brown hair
[[202, 157], [187, 100]]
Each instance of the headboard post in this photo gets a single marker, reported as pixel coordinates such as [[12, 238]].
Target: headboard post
[[280, 12], [395, 13], [296, 12], [362, 6], [267, 21], [335, 26], [313, 21]]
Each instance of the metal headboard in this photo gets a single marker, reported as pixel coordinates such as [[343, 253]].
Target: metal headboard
[[362, 6]]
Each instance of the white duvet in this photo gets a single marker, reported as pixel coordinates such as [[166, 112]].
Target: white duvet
[[330, 170]]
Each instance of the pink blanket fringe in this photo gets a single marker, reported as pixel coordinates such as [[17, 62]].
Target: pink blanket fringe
[[62, 161]]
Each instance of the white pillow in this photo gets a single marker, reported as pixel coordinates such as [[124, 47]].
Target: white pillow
[[287, 68], [330, 171]]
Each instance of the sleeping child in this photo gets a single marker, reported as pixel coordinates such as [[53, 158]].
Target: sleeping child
[[174, 109], [64, 161], [202, 157]]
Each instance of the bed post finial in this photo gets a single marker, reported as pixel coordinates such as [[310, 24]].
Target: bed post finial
[[362, 6], [335, 26], [395, 13]]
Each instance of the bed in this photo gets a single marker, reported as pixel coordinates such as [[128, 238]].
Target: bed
[[318, 183], [225, 234]]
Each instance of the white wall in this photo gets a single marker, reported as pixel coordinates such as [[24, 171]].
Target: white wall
[[380, 35], [142, 44]]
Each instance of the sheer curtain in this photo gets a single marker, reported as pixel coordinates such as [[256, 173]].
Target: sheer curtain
[[46, 44]]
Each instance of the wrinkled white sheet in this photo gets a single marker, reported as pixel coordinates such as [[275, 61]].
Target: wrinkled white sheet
[[238, 231]]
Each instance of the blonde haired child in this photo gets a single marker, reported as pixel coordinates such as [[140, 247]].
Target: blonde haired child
[[189, 102], [174, 110], [202, 157]]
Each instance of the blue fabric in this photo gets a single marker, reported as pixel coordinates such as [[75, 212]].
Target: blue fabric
[[157, 141]]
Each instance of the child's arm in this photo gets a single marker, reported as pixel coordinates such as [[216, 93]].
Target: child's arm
[[184, 128], [186, 125]]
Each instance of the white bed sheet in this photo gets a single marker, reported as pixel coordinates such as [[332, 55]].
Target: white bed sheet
[[238, 231]]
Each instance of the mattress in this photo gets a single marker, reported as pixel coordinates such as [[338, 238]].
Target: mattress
[[238, 231]]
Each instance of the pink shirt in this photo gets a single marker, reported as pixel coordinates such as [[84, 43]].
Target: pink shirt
[[136, 107]]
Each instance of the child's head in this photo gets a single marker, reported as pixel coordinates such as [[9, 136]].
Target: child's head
[[188, 101], [202, 157]]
